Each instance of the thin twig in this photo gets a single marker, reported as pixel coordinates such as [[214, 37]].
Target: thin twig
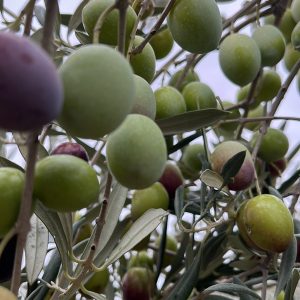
[[155, 28], [23, 225], [122, 6], [88, 264], [51, 11], [29, 15]]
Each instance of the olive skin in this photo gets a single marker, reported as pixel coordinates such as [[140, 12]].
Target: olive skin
[[93, 105], [138, 284], [136, 152], [191, 157], [65, 183], [144, 101], [98, 281], [11, 188], [143, 63], [268, 223], [295, 9], [169, 102], [162, 43], [195, 25], [291, 56], [31, 91], [109, 31], [295, 38], [155, 196], [171, 178], [191, 76], [198, 95], [271, 44], [239, 58], [69, 148], [274, 145], [226, 150]]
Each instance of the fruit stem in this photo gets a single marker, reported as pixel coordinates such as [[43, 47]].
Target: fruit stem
[[122, 6], [22, 225], [282, 91], [249, 100], [190, 62], [154, 29], [99, 23], [29, 15], [51, 11], [100, 222]]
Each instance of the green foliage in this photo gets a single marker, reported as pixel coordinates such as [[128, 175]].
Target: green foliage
[[118, 168]]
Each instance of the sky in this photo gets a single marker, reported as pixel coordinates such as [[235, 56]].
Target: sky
[[209, 70]]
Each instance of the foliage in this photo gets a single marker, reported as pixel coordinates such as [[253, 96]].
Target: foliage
[[198, 206]]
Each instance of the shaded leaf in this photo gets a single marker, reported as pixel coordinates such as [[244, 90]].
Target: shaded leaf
[[53, 223], [116, 204], [236, 280], [82, 37], [216, 297], [36, 248], [285, 185], [212, 179], [274, 192], [4, 162], [75, 19], [179, 201], [142, 227], [186, 283], [191, 120], [231, 288], [286, 266], [232, 166], [292, 285]]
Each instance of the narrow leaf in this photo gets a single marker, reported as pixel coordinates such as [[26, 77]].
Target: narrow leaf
[[36, 248], [292, 285], [139, 230], [230, 288], [191, 120], [75, 20], [286, 266], [285, 185], [53, 223], [186, 283], [212, 179], [116, 204], [4, 162], [232, 166], [179, 201]]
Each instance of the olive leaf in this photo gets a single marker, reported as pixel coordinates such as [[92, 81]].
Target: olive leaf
[[232, 166], [191, 120], [36, 248], [142, 227], [286, 266], [231, 288]]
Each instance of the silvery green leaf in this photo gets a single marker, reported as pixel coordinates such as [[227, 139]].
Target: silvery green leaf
[[212, 179], [231, 288], [142, 227], [53, 222], [286, 266], [75, 19], [115, 206], [36, 248], [191, 120]]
